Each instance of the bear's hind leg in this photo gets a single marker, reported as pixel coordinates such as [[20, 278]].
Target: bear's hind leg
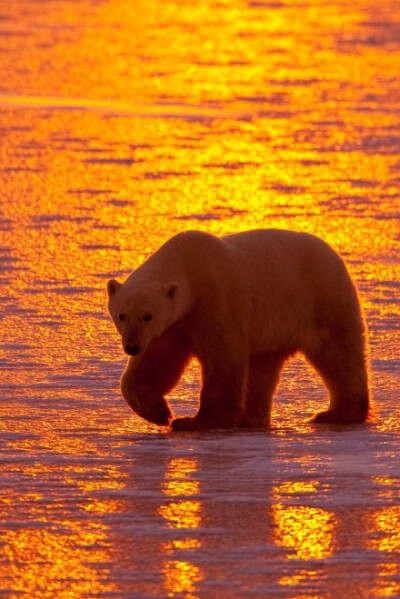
[[342, 365], [149, 377], [264, 371]]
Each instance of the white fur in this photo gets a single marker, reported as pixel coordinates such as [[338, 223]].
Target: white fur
[[241, 304]]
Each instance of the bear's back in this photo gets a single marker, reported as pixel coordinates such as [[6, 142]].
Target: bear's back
[[292, 280]]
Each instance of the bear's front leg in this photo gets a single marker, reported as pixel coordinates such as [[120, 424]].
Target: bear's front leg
[[142, 398], [222, 398], [221, 405], [148, 378]]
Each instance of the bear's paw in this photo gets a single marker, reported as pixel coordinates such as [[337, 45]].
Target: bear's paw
[[186, 424], [157, 411], [340, 417]]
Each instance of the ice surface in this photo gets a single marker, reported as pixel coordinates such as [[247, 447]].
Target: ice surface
[[121, 124]]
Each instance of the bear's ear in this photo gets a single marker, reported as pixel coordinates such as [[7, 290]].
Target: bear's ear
[[170, 289], [112, 287]]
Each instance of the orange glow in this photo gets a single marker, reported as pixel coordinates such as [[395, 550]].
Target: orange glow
[[123, 123], [179, 482], [385, 537], [307, 531], [183, 514], [388, 584], [181, 575], [387, 523], [69, 560]]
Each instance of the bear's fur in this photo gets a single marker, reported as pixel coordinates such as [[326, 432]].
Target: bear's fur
[[241, 304]]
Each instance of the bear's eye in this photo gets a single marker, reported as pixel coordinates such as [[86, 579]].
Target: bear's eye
[[121, 317], [147, 317]]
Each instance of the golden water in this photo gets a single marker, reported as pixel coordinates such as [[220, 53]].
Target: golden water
[[121, 124]]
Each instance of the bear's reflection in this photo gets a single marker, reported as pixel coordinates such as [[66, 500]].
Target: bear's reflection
[[184, 515]]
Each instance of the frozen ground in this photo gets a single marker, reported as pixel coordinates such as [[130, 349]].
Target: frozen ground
[[120, 126]]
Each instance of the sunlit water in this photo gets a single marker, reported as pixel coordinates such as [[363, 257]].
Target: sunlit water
[[122, 123]]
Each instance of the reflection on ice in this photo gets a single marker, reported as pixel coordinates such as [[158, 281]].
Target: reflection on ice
[[121, 124], [178, 478], [307, 531], [181, 576], [182, 514], [387, 523], [281, 505], [69, 560]]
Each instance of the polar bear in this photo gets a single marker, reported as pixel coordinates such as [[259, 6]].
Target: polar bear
[[241, 304]]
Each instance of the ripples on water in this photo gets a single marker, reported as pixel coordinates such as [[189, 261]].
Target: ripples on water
[[121, 124]]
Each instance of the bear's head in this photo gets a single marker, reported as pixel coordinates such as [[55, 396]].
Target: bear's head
[[142, 310]]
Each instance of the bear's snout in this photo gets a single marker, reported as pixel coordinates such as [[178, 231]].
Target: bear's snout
[[132, 350]]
